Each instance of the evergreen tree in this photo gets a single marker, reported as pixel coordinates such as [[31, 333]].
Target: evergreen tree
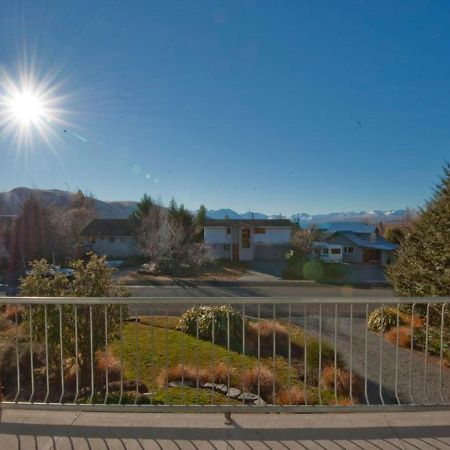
[[143, 208], [422, 266], [200, 218], [33, 235]]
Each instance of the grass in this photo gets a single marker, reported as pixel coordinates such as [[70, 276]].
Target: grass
[[161, 348]]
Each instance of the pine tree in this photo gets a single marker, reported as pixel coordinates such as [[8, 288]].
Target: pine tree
[[422, 266], [143, 208]]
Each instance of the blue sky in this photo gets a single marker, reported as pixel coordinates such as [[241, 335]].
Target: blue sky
[[285, 107]]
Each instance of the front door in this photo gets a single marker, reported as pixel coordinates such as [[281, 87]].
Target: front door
[[235, 252]]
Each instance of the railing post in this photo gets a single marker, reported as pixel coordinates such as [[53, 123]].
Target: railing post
[[228, 420]]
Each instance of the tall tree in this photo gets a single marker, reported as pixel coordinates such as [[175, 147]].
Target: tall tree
[[200, 218], [33, 235], [422, 266], [144, 208]]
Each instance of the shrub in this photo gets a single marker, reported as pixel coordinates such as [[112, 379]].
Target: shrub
[[266, 330], [207, 316], [10, 312], [266, 382], [219, 373], [342, 381], [313, 354], [404, 336], [382, 319], [297, 396]]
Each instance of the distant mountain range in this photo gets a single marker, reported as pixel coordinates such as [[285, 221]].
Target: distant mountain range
[[304, 218], [10, 203]]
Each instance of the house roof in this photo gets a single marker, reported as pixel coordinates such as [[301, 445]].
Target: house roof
[[379, 243], [355, 227], [108, 227], [252, 222]]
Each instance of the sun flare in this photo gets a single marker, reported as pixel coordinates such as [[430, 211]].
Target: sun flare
[[31, 108]]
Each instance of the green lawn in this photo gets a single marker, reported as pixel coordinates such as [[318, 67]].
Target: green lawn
[[161, 345]]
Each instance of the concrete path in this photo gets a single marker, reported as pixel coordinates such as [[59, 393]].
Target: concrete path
[[32, 430]]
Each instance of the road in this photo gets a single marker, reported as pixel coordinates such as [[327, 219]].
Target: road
[[412, 379], [253, 290]]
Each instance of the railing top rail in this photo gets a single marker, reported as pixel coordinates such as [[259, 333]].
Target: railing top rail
[[219, 300]]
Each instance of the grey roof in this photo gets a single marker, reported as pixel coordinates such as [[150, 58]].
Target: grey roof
[[252, 222], [379, 243], [355, 227], [109, 227]]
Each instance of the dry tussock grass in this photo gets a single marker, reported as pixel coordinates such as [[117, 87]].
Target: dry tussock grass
[[297, 396], [266, 382], [342, 381], [217, 374], [404, 336]]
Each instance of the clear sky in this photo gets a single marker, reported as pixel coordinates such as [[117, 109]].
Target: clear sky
[[275, 106]]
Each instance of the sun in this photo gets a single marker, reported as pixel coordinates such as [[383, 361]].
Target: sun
[[27, 108], [32, 108]]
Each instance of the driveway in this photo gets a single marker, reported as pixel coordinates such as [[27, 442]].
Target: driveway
[[265, 270]]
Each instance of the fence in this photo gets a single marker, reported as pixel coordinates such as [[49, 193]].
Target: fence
[[227, 354]]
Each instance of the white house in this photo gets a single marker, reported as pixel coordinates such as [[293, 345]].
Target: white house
[[110, 237], [248, 239]]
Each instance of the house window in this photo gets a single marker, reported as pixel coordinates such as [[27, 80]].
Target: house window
[[325, 251], [123, 240], [348, 250], [93, 240], [228, 230], [335, 251], [112, 239], [226, 247], [259, 230], [246, 238]]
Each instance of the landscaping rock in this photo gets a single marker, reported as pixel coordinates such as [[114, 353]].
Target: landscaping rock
[[260, 402], [223, 388], [209, 385], [180, 383], [248, 397], [234, 392]]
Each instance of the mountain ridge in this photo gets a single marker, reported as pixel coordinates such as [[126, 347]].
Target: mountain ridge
[[11, 202]]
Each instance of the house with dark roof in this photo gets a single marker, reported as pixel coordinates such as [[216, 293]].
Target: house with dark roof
[[110, 237], [360, 242], [248, 239]]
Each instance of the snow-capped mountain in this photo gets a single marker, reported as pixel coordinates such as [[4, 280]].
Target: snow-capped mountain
[[304, 218]]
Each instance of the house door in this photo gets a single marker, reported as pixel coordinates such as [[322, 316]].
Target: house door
[[235, 250]]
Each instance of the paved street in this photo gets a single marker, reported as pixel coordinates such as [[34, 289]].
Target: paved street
[[254, 290], [40, 430]]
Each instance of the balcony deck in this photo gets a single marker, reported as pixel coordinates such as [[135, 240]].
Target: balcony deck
[[39, 430]]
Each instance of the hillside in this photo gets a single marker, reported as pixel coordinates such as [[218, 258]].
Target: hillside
[[11, 202]]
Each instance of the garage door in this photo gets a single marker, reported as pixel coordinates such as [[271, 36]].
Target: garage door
[[273, 251]]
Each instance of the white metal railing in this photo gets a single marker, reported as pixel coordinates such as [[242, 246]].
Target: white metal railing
[[308, 354]]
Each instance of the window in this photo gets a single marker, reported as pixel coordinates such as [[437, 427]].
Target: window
[[123, 240], [228, 230], [246, 238], [259, 230], [348, 250], [335, 251], [226, 247], [325, 251], [112, 239], [93, 240]]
